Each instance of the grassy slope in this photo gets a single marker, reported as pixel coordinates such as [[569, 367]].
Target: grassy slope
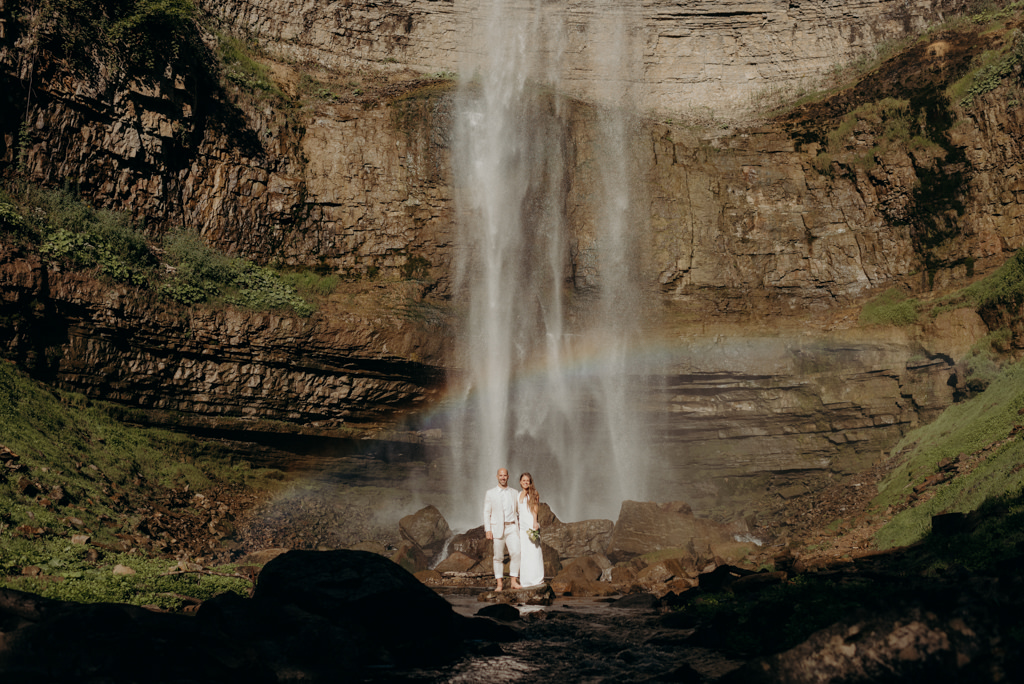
[[982, 432], [72, 469]]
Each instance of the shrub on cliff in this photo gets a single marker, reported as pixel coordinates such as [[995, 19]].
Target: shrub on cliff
[[135, 37], [201, 273], [1002, 289], [69, 231], [13, 223], [87, 237]]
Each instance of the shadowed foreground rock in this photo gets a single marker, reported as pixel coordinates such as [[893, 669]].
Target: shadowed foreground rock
[[918, 645], [315, 616]]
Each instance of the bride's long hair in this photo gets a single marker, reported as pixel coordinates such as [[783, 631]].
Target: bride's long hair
[[532, 495]]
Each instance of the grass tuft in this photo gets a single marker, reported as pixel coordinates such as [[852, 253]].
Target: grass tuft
[[892, 307]]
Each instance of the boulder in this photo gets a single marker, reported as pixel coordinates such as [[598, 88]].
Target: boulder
[[501, 611], [474, 543], [371, 546], [662, 571], [730, 552], [572, 540], [540, 595], [647, 526], [427, 529], [677, 585], [721, 578], [552, 562], [623, 573], [582, 576], [757, 582], [57, 641], [456, 562], [588, 567], [642, 601], [381, 608], [410, 557], [580, 586]]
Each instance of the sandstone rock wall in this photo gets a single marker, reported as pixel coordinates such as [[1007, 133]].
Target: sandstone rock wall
[[714, 57], [737, 418], [740, 221], [748, 223]]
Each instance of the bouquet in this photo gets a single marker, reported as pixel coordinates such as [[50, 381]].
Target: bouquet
[[534, 536]]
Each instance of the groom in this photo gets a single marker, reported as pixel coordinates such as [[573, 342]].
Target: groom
[[500, 525]]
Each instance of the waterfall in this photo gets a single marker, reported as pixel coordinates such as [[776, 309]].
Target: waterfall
[[546, 276]]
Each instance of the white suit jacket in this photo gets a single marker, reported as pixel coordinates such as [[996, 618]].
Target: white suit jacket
[[494, 517]]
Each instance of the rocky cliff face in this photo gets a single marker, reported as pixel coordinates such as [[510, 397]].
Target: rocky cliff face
[[743, 421], [697, 56], [748, 231], [299, 181], [227, 369]]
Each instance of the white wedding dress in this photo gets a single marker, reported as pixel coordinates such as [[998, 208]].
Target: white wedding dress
[[531, 563]]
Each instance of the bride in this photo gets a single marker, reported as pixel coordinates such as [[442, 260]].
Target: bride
[[531, 564]]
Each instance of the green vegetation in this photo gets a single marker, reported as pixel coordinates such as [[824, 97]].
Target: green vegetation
[[991, 534], [134, 37], [87, 237], [1003, 288], [983, 432], [415, 268], [781, 616], [155, 582], [311, 87], [238, 59], [73, 468], [889, 124], [312, 284], [777, 101], [989, 70], [892, 307], [65, 229], [983, 363], [202, 274]]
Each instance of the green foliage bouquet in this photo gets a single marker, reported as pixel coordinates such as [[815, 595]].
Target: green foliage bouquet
[[534, 536]]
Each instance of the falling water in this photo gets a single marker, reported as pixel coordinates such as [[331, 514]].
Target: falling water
[[546, 274]]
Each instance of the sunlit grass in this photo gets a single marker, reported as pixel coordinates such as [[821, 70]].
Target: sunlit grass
[[892, 307], [982, 428]]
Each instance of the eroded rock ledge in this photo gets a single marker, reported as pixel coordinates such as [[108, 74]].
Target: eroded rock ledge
[[219, 367]]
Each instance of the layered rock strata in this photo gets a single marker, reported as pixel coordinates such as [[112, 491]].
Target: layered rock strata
[[715, 58], [224, 368]]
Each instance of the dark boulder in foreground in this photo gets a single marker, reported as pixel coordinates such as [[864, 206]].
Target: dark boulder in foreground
[[387, 613], [314, 616]]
